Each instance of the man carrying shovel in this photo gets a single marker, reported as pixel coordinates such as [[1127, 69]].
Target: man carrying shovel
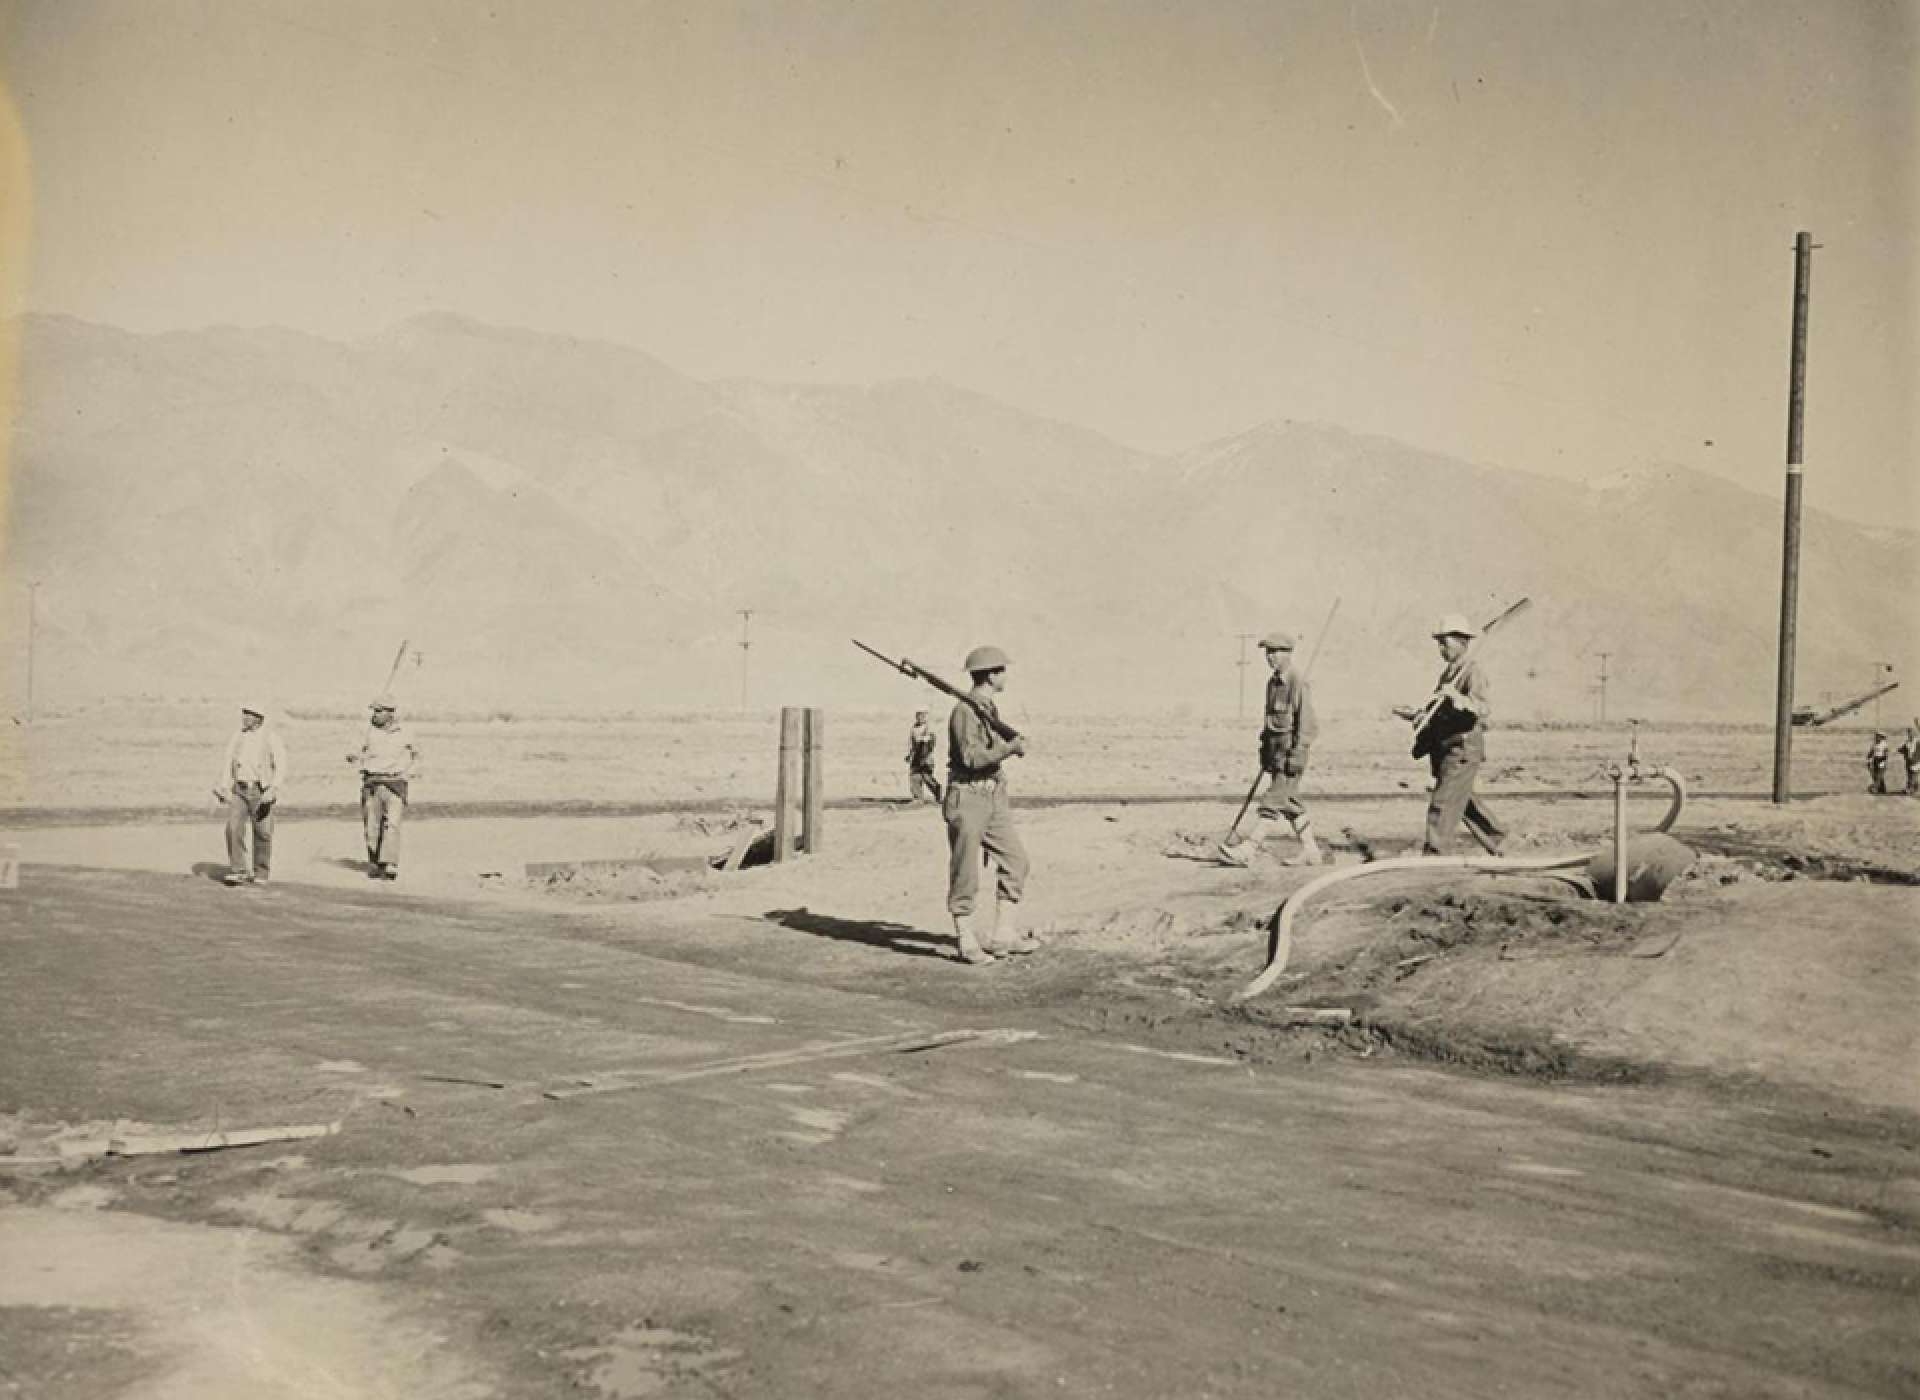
[[1286, 735], [386, 759]]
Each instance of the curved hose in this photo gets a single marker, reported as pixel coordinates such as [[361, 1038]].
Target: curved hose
[[1280, 949]]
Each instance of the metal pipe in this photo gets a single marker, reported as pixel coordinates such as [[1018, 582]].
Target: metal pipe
[[1620, 836]]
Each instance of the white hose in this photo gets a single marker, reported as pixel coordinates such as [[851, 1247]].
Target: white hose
[[1280, 949]]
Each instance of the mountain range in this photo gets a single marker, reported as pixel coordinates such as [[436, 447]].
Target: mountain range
[[561, 522]]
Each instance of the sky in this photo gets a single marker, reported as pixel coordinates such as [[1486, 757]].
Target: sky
[[1550, 235]]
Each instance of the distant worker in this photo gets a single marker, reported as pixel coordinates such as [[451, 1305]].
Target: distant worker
[[250, 779], [1286, 735], [980, 818], [1877, 755], [1910, 754], [921, 744], [387, 760], [1455, 742]]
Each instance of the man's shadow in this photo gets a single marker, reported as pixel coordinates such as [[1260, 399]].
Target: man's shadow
[[875, 933], [211, 870]]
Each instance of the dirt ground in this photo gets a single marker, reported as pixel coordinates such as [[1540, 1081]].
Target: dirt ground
[[1560, 1148]]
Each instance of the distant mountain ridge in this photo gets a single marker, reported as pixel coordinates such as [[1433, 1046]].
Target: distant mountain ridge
[[559, 520]]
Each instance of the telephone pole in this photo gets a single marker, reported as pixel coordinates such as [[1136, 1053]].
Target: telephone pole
[[1881, 670], [1790, 535], [1603, 685], [33, 611], [746, 649], [1241, 711]]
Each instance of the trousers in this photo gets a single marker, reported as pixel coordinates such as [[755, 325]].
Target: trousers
[[980, 820], [1282, 797], [381, 810], [921, 781], [1455, 766], [248, 815]]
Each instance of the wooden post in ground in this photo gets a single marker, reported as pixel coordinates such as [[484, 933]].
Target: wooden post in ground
[[787, 786], [812, 794]]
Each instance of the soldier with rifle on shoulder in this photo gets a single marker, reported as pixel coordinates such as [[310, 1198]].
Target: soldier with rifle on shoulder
[[979, 816]]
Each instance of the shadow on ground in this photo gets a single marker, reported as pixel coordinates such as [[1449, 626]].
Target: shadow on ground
[[875, 933]]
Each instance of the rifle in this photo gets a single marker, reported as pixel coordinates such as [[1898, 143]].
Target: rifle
[[1424, 715], [913, 672]]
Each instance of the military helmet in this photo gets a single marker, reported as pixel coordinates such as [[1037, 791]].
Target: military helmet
[[1455, 625], [986, 659], [1278, 641], [382, 701]]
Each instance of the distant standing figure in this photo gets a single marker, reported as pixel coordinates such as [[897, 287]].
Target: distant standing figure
[[387, 760], [979, 816], [250, 779], [1286, 735], [1456, 739], [1877, 755], [1910, 755], [921, 744]]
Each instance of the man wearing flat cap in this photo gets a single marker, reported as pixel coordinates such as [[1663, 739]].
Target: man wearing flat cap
[[1287, 732], [387, 760], [1455, 742]]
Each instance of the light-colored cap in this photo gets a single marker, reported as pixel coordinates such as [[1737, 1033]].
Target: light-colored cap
[[1278, 641], [986, 659], [380, 702], [1455, 625]]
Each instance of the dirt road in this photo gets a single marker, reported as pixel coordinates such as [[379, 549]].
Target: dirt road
[[1074, 1214]]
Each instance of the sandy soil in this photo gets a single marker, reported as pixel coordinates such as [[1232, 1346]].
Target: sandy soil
[[1800, 912], [753, 1205], [820, 1227]]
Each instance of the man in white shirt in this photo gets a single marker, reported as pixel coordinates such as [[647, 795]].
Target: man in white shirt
[[386, 759], [250, 779]]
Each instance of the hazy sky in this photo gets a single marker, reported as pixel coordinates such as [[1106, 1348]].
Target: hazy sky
[[1537, 233]]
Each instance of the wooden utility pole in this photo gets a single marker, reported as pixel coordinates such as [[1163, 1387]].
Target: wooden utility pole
[[787, 784], [33, 616], [1790, 537], [1603, 685], [813, 795]]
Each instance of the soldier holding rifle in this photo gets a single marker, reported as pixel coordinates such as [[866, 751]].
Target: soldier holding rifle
[[979, 816]]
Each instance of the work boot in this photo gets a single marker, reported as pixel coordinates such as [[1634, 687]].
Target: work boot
[[1309, 848], [1008, 936], [235, 878], [971, 952]]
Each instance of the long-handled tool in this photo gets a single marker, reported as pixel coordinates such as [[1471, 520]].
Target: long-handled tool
[[1260, 775], [394, 670], [1422, 716]]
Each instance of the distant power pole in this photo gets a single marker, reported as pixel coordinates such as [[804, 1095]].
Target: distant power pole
[[1241, 711], [1790, 537], [1603, 685], [746, 648], [33, 595], [1881, 670]]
